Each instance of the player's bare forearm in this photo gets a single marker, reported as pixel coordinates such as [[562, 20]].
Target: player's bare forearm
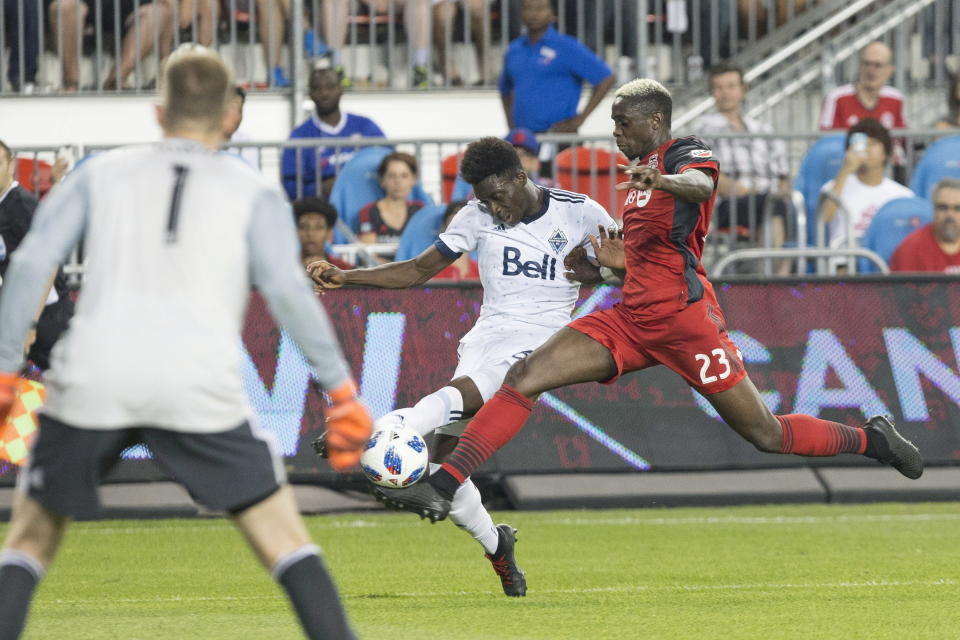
[[689, 186], [400, 275]]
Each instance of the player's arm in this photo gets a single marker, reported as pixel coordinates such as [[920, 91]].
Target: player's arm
[[57, 226], [274, 269], [693, 185], [393, 275]]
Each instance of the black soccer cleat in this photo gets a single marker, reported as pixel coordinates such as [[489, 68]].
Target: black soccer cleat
[[892, 448], [420, 498], [320, 445], [512, 578]]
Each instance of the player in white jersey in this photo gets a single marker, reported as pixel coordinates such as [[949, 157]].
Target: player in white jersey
[[176, 234], [521, 233]]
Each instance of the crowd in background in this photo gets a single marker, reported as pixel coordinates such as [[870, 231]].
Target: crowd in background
[[864, 203]]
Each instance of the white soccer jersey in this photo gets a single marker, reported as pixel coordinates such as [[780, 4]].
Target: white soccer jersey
[[175, 234], [521, 267]]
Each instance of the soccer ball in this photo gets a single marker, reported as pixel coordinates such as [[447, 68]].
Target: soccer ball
[[395, 457]]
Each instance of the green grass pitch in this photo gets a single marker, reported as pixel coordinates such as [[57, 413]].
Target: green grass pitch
[[811, 572]]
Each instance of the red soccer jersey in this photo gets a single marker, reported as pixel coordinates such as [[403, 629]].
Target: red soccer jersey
[[664, 236], [919, 251], [842, 109]]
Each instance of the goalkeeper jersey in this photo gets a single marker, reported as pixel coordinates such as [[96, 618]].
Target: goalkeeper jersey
[[175, 236]]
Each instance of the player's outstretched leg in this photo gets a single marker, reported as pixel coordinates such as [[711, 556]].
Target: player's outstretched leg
[[742, 408], [568, 357]]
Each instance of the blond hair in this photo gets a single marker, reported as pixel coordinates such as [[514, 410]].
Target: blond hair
[[648, 95], [196, 87]]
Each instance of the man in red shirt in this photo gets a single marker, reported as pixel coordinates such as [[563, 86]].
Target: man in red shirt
[[669, 315], [868, 97], [935, 247]]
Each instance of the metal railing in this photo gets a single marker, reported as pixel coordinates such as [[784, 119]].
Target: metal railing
[[97, 46], [751, 226]]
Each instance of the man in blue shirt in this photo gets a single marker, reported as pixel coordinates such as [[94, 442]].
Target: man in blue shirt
[[543, 73], [303, 167]]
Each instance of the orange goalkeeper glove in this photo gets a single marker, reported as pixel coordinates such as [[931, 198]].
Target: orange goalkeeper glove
[[8, 393], [349, 426]]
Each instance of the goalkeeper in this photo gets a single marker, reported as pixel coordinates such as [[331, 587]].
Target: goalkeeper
[[176, 234]]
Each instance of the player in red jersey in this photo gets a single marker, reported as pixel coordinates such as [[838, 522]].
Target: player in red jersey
[[669, 315]]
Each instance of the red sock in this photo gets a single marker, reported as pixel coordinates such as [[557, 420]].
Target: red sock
[[500, 419], [808, 436]]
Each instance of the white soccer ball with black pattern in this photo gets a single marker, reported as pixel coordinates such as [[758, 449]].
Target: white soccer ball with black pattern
[[395, 457]]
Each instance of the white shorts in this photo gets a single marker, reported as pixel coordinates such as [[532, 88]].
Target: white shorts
[[486, 356]]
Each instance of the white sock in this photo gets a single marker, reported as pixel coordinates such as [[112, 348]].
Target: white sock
[[420, 57], [468, 513], [435, 410], [336, 57]]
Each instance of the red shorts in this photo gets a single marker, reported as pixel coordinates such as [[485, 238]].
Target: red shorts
[[693, 342]]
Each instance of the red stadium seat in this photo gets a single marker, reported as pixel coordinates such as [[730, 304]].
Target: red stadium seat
[[34, 175], [448, 174], [590, 161]]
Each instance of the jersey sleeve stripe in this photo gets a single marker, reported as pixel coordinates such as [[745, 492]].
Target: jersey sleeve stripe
[[446, 250]]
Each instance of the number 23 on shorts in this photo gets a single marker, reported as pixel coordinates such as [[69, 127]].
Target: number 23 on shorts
[[723, 369]]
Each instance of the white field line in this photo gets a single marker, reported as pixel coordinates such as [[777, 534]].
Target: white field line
[[394, 522], [680, 588]]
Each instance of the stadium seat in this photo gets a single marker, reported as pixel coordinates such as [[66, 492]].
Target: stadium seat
[[941, 160], [587, 160], [357, 185], [34, 175], [449, 175], [893, 222], [454, 187], [421, 231], [820, 165]]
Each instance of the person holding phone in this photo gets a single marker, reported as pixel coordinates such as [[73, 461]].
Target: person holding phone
[[861, 187]]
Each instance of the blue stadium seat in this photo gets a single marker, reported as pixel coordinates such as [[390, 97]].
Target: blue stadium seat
[[357, 185], [893, 222], [421, 231], [820, 165], [941, 160]]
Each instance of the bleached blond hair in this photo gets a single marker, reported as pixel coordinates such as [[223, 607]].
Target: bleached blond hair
[[649, 95], [196, 87]]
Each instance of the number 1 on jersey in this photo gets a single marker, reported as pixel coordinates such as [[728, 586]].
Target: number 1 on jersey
[[180, 176]]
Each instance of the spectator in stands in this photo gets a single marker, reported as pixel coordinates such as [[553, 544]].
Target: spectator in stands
[[952, 119], [316, 219], [383, 221], [868, 97], [444, 12], [416, 16], [21, 33], [543, 73], [154, 20], [232, 132], [936, 246], [525, 142], [271, 18], [753, 171], [861, 187], [299, 166], [198, 18], [17, 206], [464, 267]]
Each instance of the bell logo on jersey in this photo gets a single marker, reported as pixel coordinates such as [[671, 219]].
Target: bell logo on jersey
[[640, 197], [545, 269]]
